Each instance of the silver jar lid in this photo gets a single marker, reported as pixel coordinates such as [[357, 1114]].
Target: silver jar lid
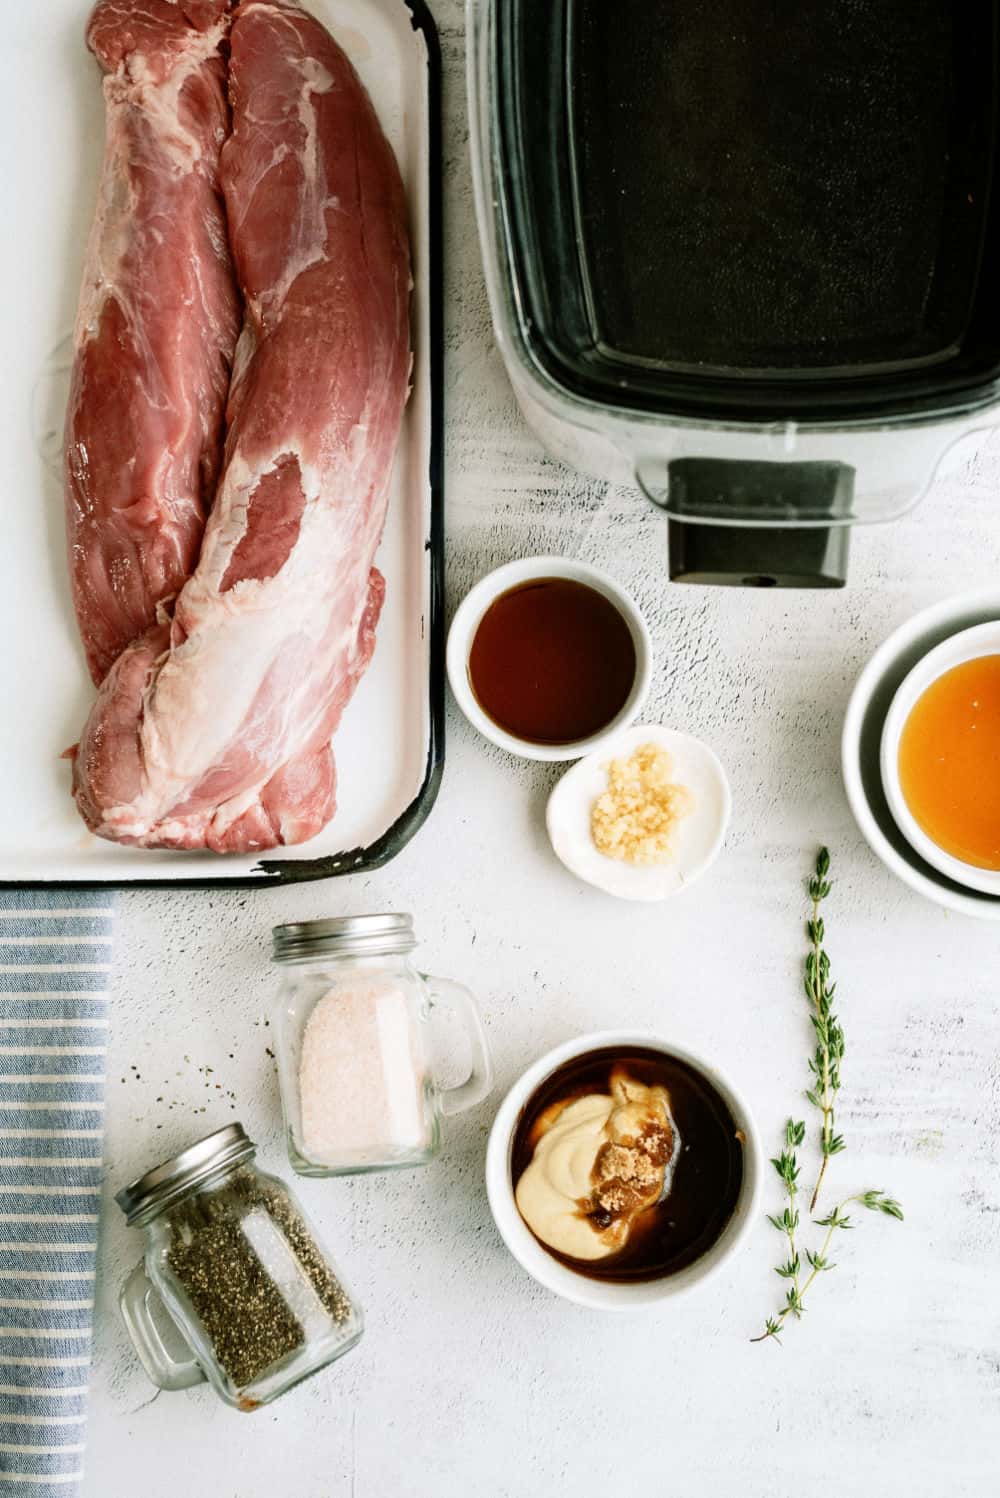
[[345, 936], [145, 1198]]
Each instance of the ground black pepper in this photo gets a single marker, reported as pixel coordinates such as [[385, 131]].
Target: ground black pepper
[[242, 1310]]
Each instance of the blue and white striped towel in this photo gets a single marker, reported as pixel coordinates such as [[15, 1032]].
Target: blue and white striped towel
[[55, 965]]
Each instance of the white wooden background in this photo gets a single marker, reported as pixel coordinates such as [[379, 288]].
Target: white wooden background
[[470, 1379]]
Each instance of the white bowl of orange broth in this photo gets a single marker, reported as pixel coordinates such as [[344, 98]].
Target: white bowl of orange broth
[[861, 743], [940, 757]]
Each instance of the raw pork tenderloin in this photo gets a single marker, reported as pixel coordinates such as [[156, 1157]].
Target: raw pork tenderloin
[[213, 729], [158, 321]]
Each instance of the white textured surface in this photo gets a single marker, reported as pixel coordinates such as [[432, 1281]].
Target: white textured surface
[[470, 1379]]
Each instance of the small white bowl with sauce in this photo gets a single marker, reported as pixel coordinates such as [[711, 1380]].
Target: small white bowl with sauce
[[968, 645], [861, 739], [508, 580], [576, 1285]]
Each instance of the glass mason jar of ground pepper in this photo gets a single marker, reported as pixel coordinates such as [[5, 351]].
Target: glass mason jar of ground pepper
[[256, 1303]]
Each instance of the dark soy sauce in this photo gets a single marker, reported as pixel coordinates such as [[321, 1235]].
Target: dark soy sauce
[[708, 1174], [552, 661]]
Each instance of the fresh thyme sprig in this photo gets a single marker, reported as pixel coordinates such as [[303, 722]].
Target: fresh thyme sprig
[[787, 1166], [819, 1263], [825, 1067], [825, 1060]]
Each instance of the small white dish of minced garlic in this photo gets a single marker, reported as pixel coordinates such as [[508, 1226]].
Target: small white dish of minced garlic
[[643, 816]]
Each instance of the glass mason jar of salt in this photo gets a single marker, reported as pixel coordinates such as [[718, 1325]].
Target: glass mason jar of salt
[[253, 1304], [360, 1044]]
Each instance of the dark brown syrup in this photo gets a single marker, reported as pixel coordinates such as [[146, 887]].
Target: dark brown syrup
[[552, 661], [708, 1173]]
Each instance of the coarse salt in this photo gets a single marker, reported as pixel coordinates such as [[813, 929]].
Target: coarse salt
[[362, 1077]]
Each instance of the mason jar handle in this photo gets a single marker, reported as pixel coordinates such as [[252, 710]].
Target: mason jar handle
[[479, 1083], [165, 1371]]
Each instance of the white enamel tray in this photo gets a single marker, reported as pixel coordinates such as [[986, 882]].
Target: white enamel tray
[[389, 747]]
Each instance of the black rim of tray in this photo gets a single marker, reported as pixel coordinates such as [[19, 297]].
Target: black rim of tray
[[272, 872]]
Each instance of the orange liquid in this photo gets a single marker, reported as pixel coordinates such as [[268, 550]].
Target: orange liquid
[[949, 762]]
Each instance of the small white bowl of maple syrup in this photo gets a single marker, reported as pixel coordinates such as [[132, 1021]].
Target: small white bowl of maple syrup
[[940, 758], [547, 657]]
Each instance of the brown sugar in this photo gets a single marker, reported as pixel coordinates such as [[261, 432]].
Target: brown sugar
[[628, 1174]]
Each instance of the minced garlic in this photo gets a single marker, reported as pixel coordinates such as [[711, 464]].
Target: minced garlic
[[635, 820]]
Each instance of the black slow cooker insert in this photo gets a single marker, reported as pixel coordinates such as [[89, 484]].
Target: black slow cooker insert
[[755, 211]]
